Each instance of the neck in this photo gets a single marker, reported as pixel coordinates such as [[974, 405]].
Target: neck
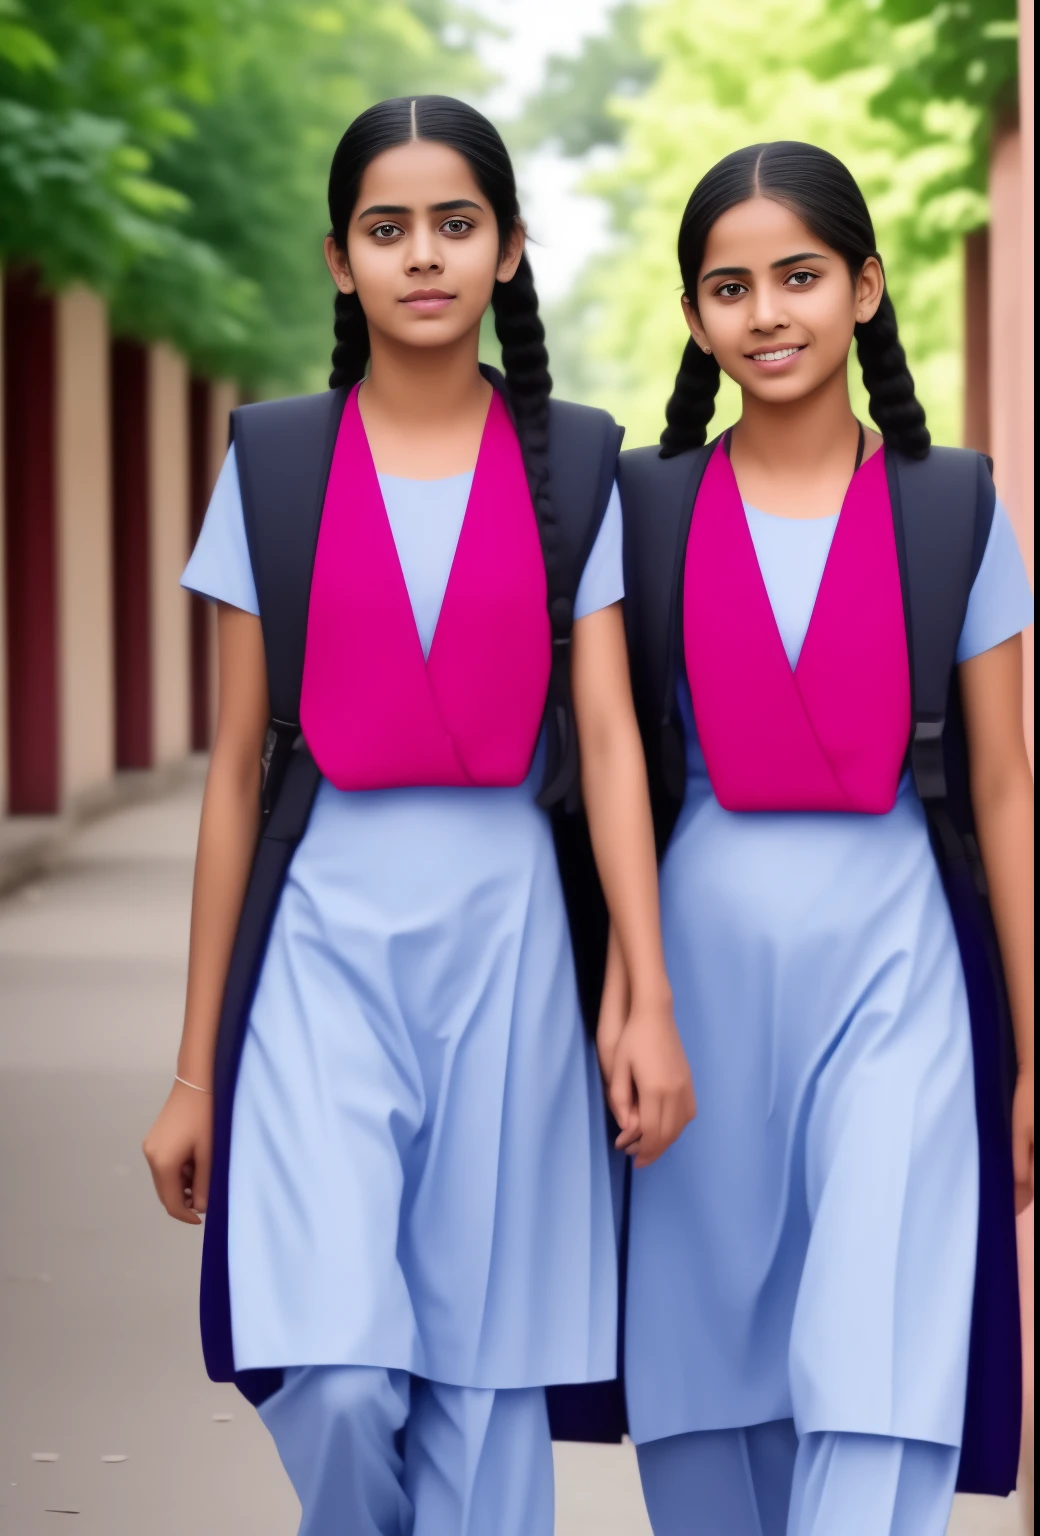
[[424, 386], [784, 438]]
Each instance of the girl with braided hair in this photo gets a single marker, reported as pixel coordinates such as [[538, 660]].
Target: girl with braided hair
[[821, 1314], [410, 1229]]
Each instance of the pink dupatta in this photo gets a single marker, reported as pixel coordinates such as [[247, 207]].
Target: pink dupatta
[[375, 713], [831, 733]]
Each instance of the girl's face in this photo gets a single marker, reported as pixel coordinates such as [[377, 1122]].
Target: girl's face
[[422, 249], [774, 304]]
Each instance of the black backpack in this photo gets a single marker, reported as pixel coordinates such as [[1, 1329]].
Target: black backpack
[[284, 453], [942, 509]]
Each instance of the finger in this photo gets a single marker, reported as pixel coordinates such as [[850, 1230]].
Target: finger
[[169, 1186], [673, 1120], [651, 1146], [631, 1134], [200, 1180], [621, 1092]]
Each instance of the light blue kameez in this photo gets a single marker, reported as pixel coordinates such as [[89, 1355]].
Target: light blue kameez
[[418, 1180], [806, 1251]]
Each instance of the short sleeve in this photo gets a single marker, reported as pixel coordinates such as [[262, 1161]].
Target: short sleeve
[[602, 581], [1001, 601], [220, 568]]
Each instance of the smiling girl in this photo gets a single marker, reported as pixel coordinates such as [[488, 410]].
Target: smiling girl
[[803, 1262], [410, 1230]]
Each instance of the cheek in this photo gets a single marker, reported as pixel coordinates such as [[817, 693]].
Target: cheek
[[726, 328], [475, 260], [829, 319], [373, 269]]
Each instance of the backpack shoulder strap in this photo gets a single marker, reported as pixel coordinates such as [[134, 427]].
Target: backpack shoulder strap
[[284, 451], [583, 451], [657, 499], [942, 510]]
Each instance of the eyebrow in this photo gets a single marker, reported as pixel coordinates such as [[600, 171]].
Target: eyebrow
[[448, 207], [785, 261]]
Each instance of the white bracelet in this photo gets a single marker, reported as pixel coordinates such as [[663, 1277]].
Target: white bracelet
[[178, 1079]]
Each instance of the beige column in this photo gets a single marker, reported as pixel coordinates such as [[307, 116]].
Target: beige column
[[223, 397], [168, 473], [3, 581], [84, 518]]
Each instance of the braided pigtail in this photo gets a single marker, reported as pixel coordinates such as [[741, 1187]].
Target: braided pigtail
[[525, 363], [893, 405], [692, 404], [351, 352]]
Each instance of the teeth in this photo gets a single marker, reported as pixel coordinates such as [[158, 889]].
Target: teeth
[[774, 357]]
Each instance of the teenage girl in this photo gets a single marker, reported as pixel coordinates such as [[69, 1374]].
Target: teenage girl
[[802, 1261], [420, 1232]]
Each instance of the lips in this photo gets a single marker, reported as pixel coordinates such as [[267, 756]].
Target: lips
[[428, 299], [774, 357]]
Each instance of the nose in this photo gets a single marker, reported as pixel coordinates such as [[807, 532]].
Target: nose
[[768, 312], [423, 253]]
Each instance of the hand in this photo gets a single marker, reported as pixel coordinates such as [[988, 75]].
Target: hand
[[179, 1149], [613, 1015], [1022, 1138], [651, 1089]]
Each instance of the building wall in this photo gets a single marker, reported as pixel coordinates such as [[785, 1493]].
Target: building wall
[[84, 542], [168, 472], [3, 583]]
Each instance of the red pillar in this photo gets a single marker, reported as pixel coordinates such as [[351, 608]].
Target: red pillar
[[30, 532], [131, 554], [198, 489], [976, 340]]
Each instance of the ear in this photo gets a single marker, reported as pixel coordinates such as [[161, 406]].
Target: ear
[[512, 251], [870, 286], [693, 320], [336, 261]]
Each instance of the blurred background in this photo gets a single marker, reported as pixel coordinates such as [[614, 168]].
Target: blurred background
[[162, 177]]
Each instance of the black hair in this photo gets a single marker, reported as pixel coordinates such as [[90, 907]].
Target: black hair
[[817, 187], [525, 360]]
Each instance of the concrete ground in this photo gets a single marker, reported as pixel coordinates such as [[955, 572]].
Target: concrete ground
[[108, 1425]]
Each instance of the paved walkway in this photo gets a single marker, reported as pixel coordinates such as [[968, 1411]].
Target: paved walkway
[[101, 1370]]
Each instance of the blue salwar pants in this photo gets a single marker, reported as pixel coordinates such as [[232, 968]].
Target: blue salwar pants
[[373, 1452], [764, 1481]]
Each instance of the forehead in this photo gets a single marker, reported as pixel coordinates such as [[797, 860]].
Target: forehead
[[758, 232], [416, 174]]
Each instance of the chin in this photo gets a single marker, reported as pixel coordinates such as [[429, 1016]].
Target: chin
[[432, 331], [780, 390]]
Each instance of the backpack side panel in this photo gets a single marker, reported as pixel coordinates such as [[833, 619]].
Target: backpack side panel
[[943, 511], [283, 449]]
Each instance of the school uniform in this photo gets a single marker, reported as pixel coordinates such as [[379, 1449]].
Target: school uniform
[[420, 1233], [802, 1261]]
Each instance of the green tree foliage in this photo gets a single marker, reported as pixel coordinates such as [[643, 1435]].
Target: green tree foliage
[[573, 107], [963, 51], [174, 155], [890, 86]]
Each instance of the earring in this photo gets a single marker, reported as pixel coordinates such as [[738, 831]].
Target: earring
[[708, 350]]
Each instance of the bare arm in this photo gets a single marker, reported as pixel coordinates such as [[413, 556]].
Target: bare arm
[[178, 1147], [1002, 798], [649, 1082]]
